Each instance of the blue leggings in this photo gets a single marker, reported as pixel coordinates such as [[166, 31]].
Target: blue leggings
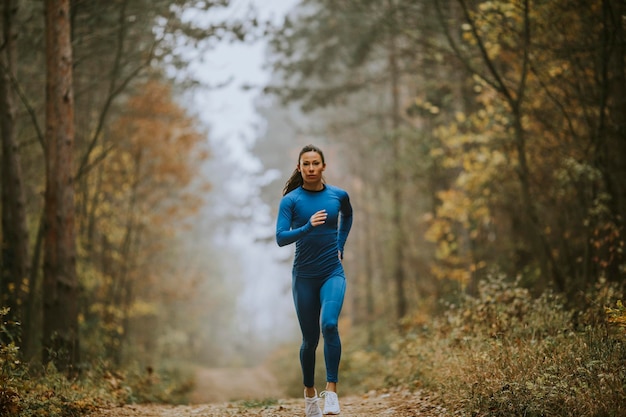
[[315, 299]]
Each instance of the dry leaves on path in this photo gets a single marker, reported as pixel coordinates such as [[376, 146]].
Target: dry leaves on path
[[397, 403]]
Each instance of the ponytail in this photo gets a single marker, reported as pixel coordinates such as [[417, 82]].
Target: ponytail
[[293, 182], [296, 180]]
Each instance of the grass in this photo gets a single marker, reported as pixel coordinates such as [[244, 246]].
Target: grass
[[26, 391], [505, 353], [52, 394], [500, 353]]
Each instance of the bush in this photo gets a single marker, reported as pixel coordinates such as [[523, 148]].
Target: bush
[[513, 355], [27, 392], [506, 353]]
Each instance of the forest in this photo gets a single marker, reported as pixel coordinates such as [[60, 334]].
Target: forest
[[483, 145]]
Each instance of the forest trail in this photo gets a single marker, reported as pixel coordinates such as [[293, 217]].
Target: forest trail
[[226, 384], [244, 392]]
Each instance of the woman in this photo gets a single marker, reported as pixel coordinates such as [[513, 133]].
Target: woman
[[317, 217]]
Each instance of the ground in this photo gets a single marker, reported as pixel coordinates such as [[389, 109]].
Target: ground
[[217, 387]]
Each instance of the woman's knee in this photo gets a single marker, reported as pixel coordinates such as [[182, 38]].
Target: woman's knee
[[310, 343], [329, 328]]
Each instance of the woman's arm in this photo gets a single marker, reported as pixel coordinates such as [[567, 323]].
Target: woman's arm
[[345, 224], [285, 235]]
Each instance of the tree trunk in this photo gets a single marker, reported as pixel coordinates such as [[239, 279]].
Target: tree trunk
[[15, 251], [33, 316], [611, 130], [60, 327], [370, 268], [398, 234]]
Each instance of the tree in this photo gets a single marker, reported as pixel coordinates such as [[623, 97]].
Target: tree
[[15, 262], [152, 172], [535, 192], [331, 53], [494, 129], [60, 328]]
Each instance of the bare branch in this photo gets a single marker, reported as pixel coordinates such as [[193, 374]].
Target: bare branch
[[31, 111]]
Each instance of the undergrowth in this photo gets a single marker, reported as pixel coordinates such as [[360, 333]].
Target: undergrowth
[[28, 391], [500, 353], [505, 353]]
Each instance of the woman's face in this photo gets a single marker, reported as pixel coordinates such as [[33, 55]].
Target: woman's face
[[311, 167]]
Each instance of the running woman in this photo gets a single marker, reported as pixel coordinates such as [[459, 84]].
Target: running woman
[[317, 217]]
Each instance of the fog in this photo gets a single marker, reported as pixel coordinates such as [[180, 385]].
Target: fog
[[235, 219]]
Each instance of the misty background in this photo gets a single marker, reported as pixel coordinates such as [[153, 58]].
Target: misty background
[[253, 140]]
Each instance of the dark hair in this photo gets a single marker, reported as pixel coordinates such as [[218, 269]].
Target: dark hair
[[295, 180]]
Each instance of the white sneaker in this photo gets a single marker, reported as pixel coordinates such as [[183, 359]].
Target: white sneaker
[[311, 406], [331, 402]]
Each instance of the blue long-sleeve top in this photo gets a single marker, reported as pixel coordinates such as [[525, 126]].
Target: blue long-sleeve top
[[317, 248]]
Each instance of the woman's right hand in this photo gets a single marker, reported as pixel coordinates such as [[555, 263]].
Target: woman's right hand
[[318, 218]]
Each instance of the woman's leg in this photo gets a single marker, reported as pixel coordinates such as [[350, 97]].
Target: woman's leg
[[306, 297], [331, 296]]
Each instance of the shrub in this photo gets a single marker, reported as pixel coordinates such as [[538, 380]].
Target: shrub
[[27, 392], [507, 353]]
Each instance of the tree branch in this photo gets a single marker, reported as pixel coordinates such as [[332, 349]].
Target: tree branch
[[114, 91], [31, 111], [500, 86]]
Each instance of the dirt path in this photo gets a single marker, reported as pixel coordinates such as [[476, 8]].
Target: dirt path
[[244, 392], [222, 385]]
